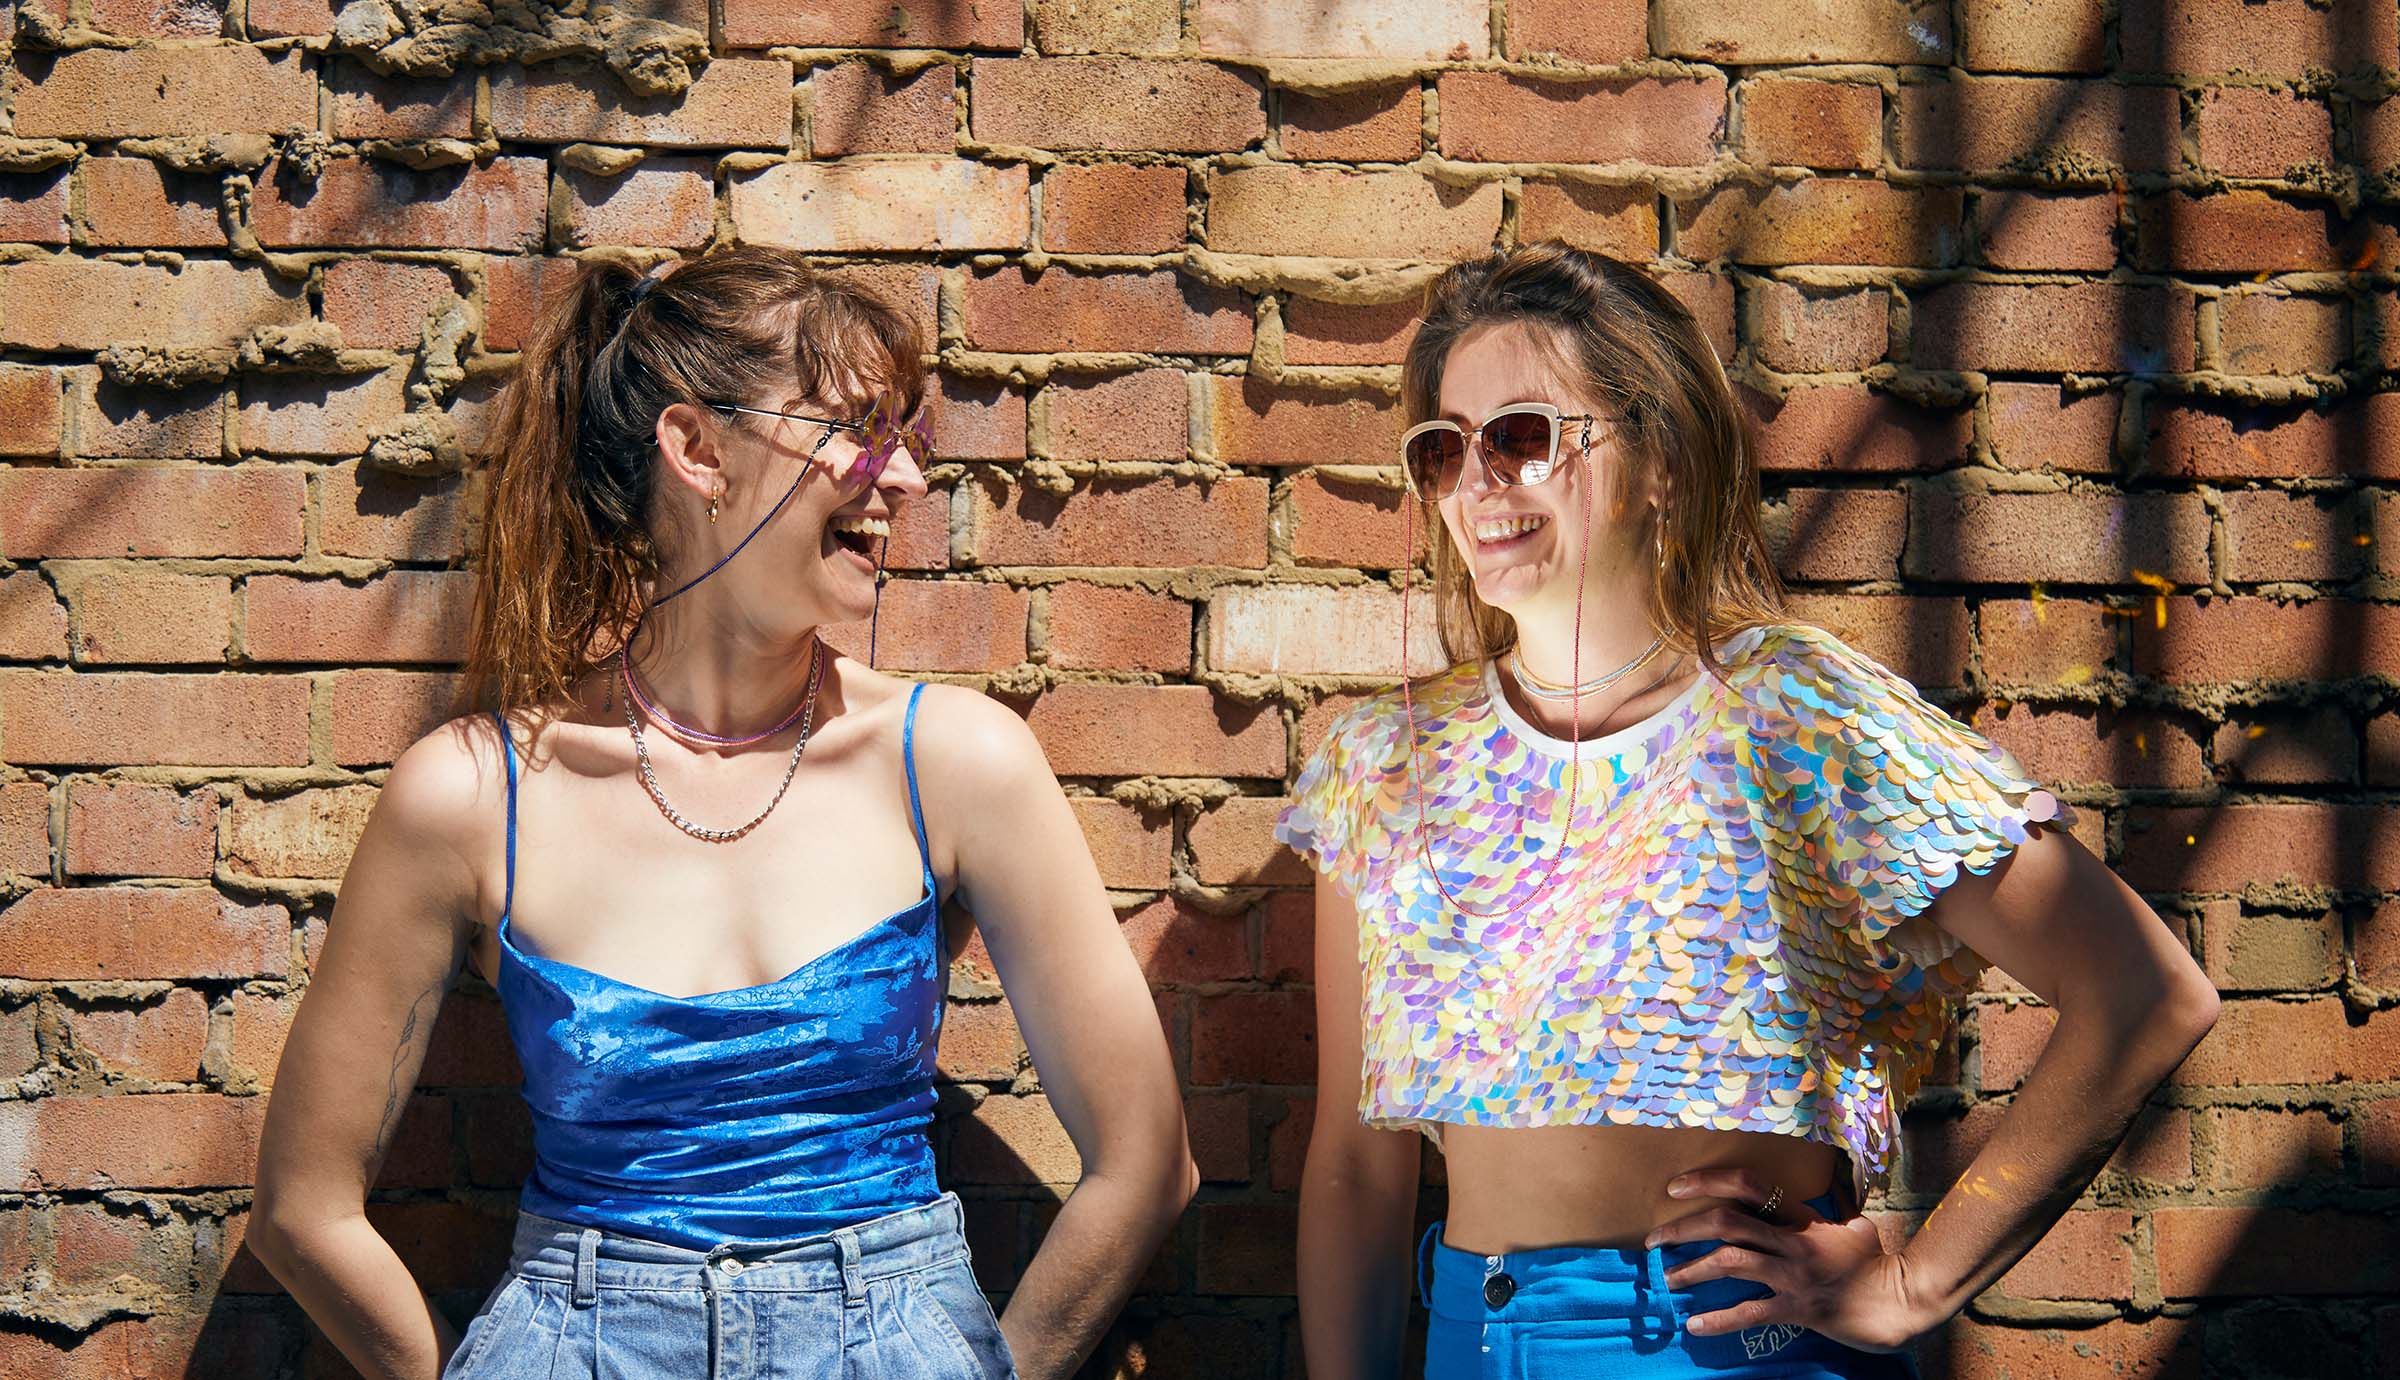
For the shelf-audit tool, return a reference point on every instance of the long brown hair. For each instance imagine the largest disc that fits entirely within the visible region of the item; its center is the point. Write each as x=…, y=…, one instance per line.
x=1626, y=342
x=569, y=540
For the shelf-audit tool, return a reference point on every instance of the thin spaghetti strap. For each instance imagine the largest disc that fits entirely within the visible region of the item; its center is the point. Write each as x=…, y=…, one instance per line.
x=908, y=759
x=508, y=754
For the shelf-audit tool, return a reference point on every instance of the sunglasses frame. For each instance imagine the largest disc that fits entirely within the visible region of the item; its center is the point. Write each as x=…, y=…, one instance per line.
x=1472, y=440
x=879, y=436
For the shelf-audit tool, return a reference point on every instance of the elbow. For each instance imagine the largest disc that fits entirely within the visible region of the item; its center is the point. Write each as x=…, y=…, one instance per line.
x=270, y=1236
x=2191, y=1008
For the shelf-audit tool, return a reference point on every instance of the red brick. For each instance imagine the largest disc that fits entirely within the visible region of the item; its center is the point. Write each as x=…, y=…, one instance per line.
x=857, y=107
x=2247, y=132
x=1112, y=208
x=973, y=419
x=159, y=1041
x=1800, y=332
x=736, y=103
x=1219, y=1128
x=125, y=829
x=1287, y=950
x=1708, y=296
x=306, y=834
x=2036, y=426
x=2269, y=953
x=407, y=615
x=304, y=415
x=1497, y=117
x=2259, y=1148
x=2379, y=1146
x=1302, y=630
x=1116, y=26
x=122, y=93
x=2273, y=535
x=499, y=205
x=872, y=24
x=1125, y=523
x=25, y=829
x=1812, y=124
x=1254, y=1037
x=376, y=513
x=1140, y=416
x=150, y=511
x=2031, y=230
x=173, y=1140
x=2083, y=327
x=1131, y=847
x=133, y=201
x=1580, y=30
x=1248, y=1248
x=2375, y=135
x=288, y=18
x=1618, y=221
x=1013, y=1139
x=2260, y=333
x=2158, y=1149
x=379, y=305
x=1255, y=422
x=1376, y=124
x=2243, y=232
x=1925, y=640
x=368, y=105
x=909, y=204
x=83, y=304
x=2078, y=538
x=2358, y=437
x=1317, y=332
x=2085, y=1255
x=512, y=291
x=1987, y=124
x=377, y=714
x=2126, y=749
x=1338, y=522
x=2283, y=39
x=31, y=409
x=1234, y=845
x=1153, y=311
x=980, y=1043
x=1341, y=213
x=1163, y=730
x=2289, y=748
x=2231, y=846
x=33, y=624
x=33, y=207
x=154, y=19
x=78, y=720
x=101, y=1248
x=147, y=423
x=944, y=625
x=2033, y=36
x=2227, y=640
x=2156, y=1348
x=1838, y=534
x=446, y=1247
x=2222, y=1252
x=1096, y=628
x=668, y=202
x=1425, y=30
x=1178, y=944
x=122, y=932
x=1846, y=427
x=1870, y=31
x=1116, y=103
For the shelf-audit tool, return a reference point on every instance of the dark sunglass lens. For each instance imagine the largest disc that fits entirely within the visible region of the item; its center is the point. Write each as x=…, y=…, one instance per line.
x=1517, y=447
x=1434, y=459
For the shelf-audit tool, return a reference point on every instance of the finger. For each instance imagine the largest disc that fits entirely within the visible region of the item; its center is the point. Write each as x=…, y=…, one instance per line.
x=1733, y=1262
x=1740, y=1317
x=1739, y=1185
x=1721, y=1223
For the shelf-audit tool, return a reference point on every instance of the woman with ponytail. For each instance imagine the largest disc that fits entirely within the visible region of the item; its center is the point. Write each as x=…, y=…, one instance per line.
x=1650, y=910
x=662, y=838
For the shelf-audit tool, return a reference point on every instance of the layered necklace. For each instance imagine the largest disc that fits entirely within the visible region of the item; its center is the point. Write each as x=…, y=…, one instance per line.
x=638, y=704
x=1541, y=689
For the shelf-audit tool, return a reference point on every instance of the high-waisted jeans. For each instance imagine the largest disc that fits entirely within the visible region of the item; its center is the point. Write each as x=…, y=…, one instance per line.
x=889, y=1299
x=1588, y=1311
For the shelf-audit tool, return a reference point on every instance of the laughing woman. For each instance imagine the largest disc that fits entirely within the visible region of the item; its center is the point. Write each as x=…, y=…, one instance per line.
x=666, y=848
x=1652, y=909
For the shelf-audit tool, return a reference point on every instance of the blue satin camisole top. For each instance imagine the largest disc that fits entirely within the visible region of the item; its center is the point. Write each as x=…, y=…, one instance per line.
x=755, y=1114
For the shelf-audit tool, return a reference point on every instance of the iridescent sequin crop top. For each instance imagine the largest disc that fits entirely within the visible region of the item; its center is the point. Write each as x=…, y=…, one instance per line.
x=1737, y=941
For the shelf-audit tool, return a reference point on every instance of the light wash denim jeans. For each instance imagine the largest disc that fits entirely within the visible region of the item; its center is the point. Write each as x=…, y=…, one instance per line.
x=890, y=1299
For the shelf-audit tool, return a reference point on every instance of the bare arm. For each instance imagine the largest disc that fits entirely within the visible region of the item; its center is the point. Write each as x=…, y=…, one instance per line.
x=1358, y=1192
x=1026, y=874
x=397, y=937
x=2131, y=1004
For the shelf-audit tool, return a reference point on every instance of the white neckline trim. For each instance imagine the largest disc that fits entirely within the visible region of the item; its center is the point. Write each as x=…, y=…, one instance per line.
x=1610, y=744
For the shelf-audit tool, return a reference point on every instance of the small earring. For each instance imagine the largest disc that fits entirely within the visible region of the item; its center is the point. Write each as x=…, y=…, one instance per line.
x=712, y=504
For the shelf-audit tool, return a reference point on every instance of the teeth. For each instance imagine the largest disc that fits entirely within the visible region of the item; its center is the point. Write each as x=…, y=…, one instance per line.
x=863, y=526
x=1499, y=529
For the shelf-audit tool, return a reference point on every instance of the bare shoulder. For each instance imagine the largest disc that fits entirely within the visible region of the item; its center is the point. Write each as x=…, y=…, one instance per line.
x=443, y=812
x=977, y=747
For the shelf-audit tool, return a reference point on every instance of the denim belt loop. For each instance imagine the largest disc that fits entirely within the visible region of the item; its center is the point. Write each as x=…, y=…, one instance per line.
x=854, y=1284
x=587, y=1268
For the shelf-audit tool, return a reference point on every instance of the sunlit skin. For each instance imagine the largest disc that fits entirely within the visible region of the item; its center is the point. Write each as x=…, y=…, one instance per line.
x=604, y=883
x=2131, y=1002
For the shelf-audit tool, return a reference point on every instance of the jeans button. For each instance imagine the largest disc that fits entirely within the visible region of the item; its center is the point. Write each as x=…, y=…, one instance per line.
x=1498, y=1290
x=729, y=1265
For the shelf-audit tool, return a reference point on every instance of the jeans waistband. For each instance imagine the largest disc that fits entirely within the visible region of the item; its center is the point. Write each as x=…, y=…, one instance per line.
x=844, y=1259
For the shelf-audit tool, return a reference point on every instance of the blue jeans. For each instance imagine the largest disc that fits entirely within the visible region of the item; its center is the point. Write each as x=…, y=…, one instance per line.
x=1591, y=1311
x=890, y=1299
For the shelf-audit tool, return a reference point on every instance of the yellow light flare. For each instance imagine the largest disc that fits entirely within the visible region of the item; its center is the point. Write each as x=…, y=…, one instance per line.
x=2258, y=730
x=2141, y=743
x=2076, y=674
x=2041, y=601
x=2304, y=544
x=2158, y=610
x=2153, y=580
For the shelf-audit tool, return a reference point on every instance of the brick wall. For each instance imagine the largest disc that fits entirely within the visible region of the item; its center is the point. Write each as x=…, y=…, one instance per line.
x=2067, y=328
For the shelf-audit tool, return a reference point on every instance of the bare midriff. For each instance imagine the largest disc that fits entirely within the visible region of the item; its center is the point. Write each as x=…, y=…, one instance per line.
x=1520, y=1189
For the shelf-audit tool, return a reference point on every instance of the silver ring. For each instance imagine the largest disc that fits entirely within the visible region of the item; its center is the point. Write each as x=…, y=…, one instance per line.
x=1773, y=1203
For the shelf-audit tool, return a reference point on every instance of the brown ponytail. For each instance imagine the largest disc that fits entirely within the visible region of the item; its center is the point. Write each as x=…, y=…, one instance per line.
x=569, y=541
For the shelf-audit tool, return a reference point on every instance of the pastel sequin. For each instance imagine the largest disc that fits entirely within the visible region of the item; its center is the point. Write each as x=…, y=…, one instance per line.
x=1734, y=942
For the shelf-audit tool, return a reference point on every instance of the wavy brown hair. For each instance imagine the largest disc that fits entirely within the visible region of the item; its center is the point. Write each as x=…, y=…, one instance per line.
x=1609, y=328
x=570, y=539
